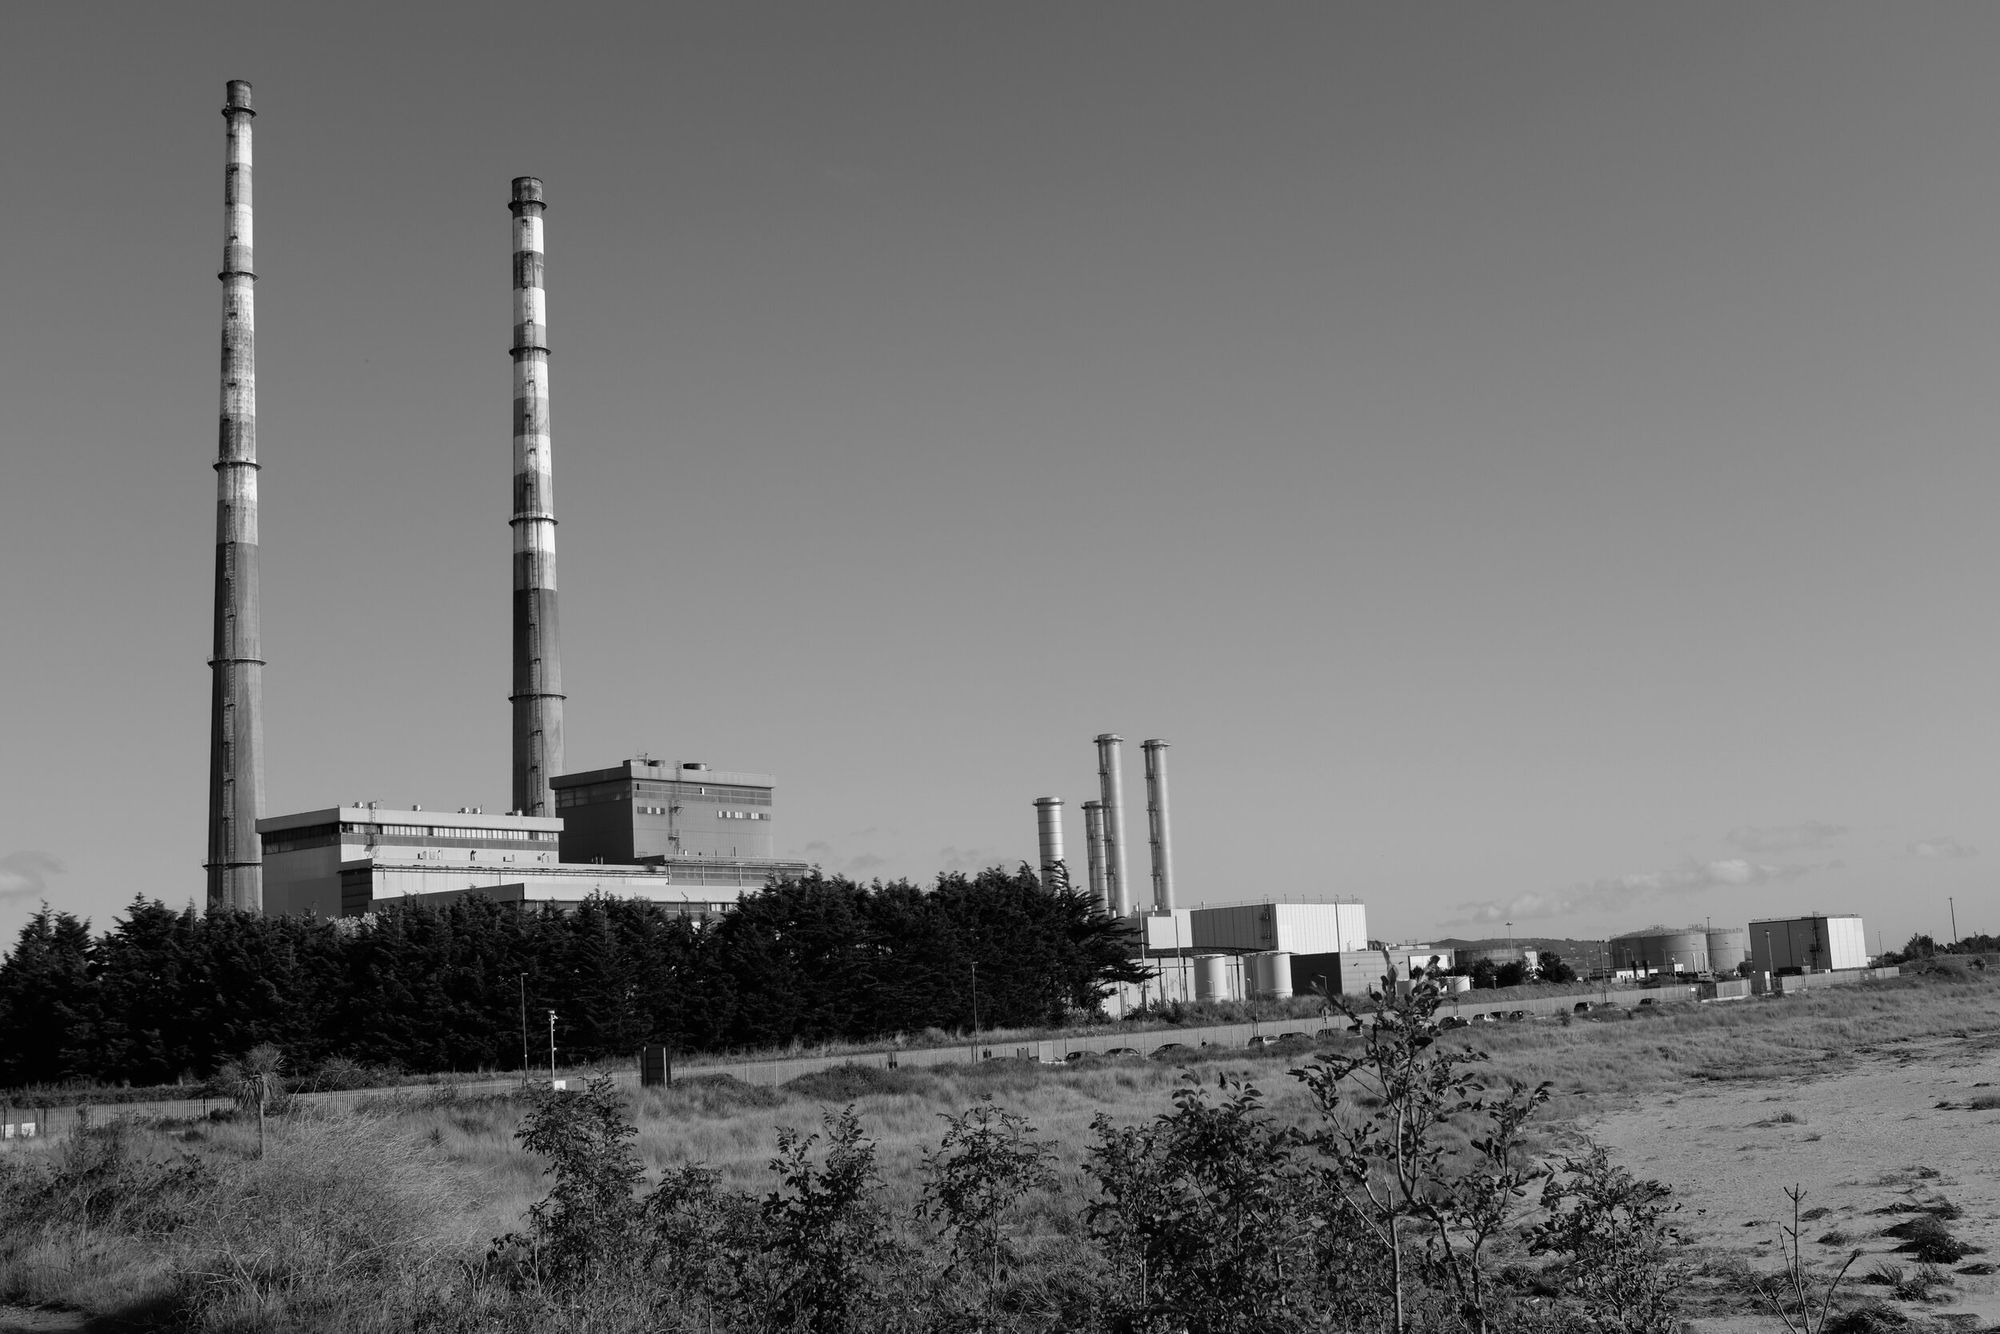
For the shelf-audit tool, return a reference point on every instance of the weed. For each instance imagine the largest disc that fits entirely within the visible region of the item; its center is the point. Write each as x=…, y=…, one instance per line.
x=1927, y=1238
x=1799, y=1298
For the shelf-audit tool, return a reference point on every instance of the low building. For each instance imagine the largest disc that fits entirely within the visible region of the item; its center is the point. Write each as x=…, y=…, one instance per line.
x=1294, y=928
x=683, y=835
x=1815, y=944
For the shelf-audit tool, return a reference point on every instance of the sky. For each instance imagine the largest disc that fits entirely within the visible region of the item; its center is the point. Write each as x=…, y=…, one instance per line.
x=1534, y=462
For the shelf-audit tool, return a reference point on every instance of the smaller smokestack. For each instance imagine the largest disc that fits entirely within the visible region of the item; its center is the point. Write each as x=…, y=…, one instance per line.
x=1111, y=787
x=1048, y=829
x=1093, y=843
x=1156, y=824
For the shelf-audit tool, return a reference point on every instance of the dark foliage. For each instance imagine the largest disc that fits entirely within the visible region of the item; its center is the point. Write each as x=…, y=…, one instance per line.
x=166, y=995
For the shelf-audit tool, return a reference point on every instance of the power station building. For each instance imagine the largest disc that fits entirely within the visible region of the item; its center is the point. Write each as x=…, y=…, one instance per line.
x=683, y=835
x=1808, y=944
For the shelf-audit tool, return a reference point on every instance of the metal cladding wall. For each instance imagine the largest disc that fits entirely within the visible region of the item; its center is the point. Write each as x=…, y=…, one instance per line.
x=236, y=707
x=1661, y=951
x=1808, y=942
x=1297, y=928
x=1726, y=949
x=537, y=696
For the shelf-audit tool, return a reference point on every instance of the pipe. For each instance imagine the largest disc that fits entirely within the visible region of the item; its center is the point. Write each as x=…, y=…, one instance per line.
x=1048, y=830
x=537, y=697
x=1093, y=843
x=236, y=711
x=1160, y=834
x=1111, y=786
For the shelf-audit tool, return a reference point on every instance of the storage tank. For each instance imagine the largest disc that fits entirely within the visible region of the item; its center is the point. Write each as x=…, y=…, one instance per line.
x=1211, y=977
x=1271, y=974
x=1660, y=949
x=1726, y=949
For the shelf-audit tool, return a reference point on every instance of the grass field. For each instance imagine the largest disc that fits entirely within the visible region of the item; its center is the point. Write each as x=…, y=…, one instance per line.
x=380, y=1218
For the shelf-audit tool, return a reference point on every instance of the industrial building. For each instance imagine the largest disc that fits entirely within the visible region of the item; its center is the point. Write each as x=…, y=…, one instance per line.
x=1807, y=944
x=685, y=835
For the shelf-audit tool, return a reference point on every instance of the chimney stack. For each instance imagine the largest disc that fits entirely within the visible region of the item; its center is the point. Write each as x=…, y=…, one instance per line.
x=1156, y=822
x=1111, y=788
x=236, y=714
x=1093, y=846
x=537, y=697
x=1048, y=828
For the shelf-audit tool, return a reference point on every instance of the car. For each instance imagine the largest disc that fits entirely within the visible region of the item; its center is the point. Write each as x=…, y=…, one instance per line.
x=1261, y=1040
x=1581, y=1007
x=1649, y=1000
x=1516, y=1016
x=1122, y=1051
x=1071, y=1058
x=1486, y=1017
x=1293, y=1036
x=1451, y=1021
x=1171, y=1051
x=1329, y=1034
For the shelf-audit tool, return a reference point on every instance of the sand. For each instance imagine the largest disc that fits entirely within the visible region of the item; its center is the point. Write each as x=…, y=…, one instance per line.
x=1881, y=1126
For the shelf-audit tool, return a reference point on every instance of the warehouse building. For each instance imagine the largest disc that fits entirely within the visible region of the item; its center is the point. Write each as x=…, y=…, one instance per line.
x=1813, y=944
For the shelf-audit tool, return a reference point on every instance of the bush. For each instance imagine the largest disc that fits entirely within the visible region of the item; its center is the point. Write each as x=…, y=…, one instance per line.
x=846, y=1083
x=1929, y=1240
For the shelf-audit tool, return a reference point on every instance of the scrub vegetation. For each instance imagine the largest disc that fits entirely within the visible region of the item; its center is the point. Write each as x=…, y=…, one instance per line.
x=1401, y=1173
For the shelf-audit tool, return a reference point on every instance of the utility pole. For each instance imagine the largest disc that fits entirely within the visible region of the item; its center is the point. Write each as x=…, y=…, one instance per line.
x=975, y=1011
x=552, y=1048
x=1954, y=920
x=524, y=1028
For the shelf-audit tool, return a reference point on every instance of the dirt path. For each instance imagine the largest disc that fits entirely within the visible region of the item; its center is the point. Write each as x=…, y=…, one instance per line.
x=1894, y=1127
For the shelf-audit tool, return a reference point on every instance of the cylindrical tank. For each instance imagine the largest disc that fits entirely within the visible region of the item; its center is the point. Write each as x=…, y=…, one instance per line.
x=1660, y=949
x=1726, y=950
x=1271, y=975
x=1211, y=977
x=1048, y=832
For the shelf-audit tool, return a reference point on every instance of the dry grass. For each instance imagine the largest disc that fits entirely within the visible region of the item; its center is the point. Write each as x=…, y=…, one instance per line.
x=360, y=1216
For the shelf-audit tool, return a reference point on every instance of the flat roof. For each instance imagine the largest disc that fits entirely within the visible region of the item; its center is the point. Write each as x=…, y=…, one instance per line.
x=271, y=824
x=660, y=771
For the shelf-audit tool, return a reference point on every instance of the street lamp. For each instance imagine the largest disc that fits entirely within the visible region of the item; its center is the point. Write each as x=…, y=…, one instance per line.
x=552, y=1048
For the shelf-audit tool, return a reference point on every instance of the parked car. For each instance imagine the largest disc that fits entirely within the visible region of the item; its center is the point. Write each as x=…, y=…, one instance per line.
x=1171, y=1051
x=1451, y=1021
x=1073, y=1057
x=1516, y=1016
x=1581, y=1007
x=1262, y=1040
x=1122, y=1051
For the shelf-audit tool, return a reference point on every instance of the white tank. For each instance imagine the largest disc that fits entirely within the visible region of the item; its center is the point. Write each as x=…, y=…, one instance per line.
x=1211, y=977
x=1271, y=975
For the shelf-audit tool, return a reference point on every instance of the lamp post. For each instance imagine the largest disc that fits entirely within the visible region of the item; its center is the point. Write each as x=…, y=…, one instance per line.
x=975, y=1011
x=552, y=1048
x=524, y=1028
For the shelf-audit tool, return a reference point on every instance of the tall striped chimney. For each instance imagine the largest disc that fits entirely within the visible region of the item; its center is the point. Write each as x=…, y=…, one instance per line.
x=1048, y=833
x=1156, y=821
x=537, y=697
x=236, y=710
x=1111, y=788
x=1093, y=845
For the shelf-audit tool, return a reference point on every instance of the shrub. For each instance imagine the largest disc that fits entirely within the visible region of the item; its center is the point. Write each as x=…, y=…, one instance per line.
x=1611, y=1238
x=846, y=1083
x=1929, y=1240
x=589, y=1221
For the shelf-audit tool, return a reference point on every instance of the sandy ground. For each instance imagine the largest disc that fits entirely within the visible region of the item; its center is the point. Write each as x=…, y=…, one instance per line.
x=1883, y=1126
x=28, y=1320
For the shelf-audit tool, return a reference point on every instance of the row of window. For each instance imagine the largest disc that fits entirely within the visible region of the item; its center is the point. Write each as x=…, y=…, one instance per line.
x=741, y=815
x=447, y=831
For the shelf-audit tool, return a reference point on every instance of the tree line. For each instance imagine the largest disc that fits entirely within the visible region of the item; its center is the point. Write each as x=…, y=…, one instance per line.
x=167, y=994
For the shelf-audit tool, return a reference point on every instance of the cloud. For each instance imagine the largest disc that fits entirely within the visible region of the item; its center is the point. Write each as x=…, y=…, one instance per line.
x=1942, y=848
x=1618, y=893
x=863, y=864
x=1783, y=838
x=25, y=874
